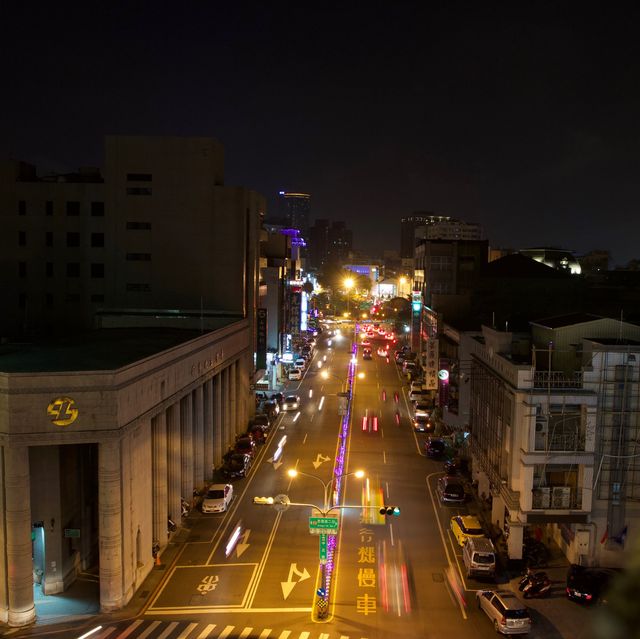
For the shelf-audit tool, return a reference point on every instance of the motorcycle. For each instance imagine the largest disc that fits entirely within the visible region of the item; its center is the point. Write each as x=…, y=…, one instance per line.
x=185, y=507
x=535, y=584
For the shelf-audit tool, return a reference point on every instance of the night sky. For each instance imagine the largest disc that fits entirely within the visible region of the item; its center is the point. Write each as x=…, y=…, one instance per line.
x=524, y=119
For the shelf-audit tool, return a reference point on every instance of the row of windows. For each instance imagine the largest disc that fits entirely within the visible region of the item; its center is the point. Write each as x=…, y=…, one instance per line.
x=72, y=268
x=77, y=297
x=73, y=237
x=72, y=208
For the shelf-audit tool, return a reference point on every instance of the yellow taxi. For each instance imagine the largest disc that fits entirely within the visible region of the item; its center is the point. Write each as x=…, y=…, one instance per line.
x=464, y=527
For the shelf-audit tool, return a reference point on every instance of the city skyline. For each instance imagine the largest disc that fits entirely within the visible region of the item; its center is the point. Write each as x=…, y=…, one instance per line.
x=524, y=124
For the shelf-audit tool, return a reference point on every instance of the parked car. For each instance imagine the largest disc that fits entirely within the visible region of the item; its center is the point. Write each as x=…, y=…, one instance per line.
x=261, y=419
x=235, y=465
x=300, y=363
x=588, y=585
x=366, y=353
x=464, y=527
x=271, y=408
x=435, y=448
x=217, y=498
x=295, y=374
x=451, y=490
x=245, y=445
x=291, y=402
x=418, y=395
x=257, y=433
x=278, y=397
x=504, y=609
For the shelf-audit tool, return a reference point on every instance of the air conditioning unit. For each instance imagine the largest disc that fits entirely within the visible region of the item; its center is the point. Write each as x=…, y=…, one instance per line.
x=561, y=497
x=541, y=497
x=542, y=425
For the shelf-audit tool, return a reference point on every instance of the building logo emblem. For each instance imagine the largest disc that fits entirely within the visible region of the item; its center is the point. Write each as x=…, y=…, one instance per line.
x=62, y=411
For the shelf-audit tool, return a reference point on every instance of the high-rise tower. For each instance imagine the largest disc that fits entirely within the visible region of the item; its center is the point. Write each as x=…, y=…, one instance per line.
x=295, y=210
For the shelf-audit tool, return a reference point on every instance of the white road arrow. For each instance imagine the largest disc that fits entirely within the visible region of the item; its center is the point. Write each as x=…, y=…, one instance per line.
x=320, y=459
x=241, y=547
x=276, y=464
x=289, y=585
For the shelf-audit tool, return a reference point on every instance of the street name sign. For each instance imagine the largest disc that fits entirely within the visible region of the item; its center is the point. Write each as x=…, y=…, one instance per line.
x=323, y=525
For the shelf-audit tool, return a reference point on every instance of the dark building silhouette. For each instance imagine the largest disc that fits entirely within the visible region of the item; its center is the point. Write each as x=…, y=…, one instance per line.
x=295, y=209
x=330, y=242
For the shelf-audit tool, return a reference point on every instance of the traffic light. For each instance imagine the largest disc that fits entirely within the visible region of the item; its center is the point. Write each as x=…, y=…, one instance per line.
x=390, y=510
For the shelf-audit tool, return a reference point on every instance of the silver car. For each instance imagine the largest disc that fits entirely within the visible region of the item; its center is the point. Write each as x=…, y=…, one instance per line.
x=509, y=615
x=291, y=402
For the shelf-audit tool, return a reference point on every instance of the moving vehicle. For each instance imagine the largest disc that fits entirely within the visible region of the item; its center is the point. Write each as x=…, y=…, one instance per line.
x=423, y=424
x=291, y=402
x=217, y=498
x=235, y=465
x=509, y=616
x=451, y=490
x=366, y=353
x=588, y=585
x=422, y=408
x=295, y=374
x=465, y=527
x=479, y=557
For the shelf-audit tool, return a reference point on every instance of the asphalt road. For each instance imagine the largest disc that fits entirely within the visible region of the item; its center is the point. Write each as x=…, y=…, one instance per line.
x=393, y=576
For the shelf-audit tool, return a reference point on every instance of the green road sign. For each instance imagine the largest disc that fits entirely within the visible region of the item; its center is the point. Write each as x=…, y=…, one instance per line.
x=323, y=525
x=323, y=548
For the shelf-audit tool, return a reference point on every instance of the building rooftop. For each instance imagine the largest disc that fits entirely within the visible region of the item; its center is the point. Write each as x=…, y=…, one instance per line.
x=105, y=349
x=517, y=265
x=614, y=341
x=560, y=321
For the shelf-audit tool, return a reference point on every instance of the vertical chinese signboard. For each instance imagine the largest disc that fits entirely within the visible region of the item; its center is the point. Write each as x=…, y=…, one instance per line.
x=261, y=339
x=294, y=313
x=431, y=364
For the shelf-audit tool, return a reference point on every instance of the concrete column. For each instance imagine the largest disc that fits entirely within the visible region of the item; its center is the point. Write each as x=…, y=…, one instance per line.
x=159, y=470
x=218, y=450
x=228, y=435
x=236, y=426
x=18, y=535
x=207, y=410
x=110, y=515
x=514, y=543
x=174, y=485
x=198, y=438
x=186, y=434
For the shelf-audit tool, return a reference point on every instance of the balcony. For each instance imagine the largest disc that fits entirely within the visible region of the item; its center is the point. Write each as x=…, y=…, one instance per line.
x=556, y=498
x=557, y=379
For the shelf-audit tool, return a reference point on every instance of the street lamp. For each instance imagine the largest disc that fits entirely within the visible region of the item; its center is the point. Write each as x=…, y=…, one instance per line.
x=326, y=485
x=348, y=284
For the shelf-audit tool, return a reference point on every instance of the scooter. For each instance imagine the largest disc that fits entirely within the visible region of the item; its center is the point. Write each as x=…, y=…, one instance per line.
x=535, y=585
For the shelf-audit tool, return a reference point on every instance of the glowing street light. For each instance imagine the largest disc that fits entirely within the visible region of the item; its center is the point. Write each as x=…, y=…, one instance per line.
x=348, y=284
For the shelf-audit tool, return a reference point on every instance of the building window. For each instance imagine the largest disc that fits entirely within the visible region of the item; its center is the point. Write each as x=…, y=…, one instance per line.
x=139, y=177
x=73, y=239
x=22, y=300
x=138, y=226
x=97, y=297
x=22, y=207
x=49, y=269
x=73, y=297
x=97, y=271
x=48, y=207
x=22, y=269
x=97, y=209
x=97, y=240
x=138, y=287
x=48, y=300
x=139, y=257
x=73, y=269
x=138, y=190
x=48, y=238
x=22, y=238
x=73, y=208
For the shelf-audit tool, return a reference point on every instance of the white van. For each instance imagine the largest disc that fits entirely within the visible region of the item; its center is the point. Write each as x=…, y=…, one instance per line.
x=479, y=557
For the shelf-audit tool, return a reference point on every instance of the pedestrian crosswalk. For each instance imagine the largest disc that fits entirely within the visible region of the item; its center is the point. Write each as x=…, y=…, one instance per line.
x=154, y=629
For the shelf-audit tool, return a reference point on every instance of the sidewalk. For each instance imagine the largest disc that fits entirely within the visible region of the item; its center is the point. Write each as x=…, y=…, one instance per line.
x=77, y=610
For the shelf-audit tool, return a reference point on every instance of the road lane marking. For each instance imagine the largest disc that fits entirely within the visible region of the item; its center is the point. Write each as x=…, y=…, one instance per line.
x=245, y=633
x=206, y=631
x=284, y=634
x=391, y=534
x=130, y=629
x=384, y=457
x=226, y=632
x=149, y=630
x=185, y=633
x=304, y=439
x=265, y=633
x=168, y=631
x=444, y=541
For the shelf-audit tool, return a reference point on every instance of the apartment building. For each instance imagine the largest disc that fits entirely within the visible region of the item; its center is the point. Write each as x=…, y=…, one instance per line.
x=554, y=417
